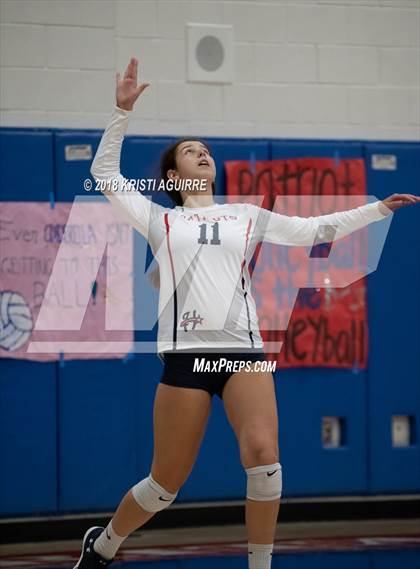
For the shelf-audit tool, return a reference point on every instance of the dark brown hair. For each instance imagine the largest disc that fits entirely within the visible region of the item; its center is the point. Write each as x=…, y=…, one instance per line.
x=168, y=162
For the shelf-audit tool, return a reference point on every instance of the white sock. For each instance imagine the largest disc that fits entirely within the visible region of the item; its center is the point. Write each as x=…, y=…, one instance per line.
x=259, y=555
x=108, y=542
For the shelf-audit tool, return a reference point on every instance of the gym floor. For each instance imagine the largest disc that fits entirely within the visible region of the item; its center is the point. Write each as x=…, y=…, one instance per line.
x=376, y=544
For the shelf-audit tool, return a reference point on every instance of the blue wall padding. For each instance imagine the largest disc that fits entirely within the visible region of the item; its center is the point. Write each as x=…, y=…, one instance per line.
x=337, y=149
x=304, y=397
x=394, y=316
x=86, y=427
x=26, y=165
x=105, y=418
x=28, y=425
x=28, y=438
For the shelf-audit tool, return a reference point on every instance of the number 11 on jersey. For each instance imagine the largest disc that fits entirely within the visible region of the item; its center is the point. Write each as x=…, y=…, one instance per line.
x=203, y=234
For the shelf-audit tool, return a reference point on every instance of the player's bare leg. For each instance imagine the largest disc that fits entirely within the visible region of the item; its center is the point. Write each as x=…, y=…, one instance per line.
x=180, y=417
x=250, y=404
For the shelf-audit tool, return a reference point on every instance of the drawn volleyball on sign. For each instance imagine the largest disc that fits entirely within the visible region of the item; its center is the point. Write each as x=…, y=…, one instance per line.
x=16, y=322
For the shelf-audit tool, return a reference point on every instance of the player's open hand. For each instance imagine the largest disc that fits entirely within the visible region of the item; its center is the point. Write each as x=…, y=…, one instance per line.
x=127, y=90
x=400, y=200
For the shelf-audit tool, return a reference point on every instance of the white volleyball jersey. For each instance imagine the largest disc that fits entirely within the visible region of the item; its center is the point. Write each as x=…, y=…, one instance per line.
x=205, y=300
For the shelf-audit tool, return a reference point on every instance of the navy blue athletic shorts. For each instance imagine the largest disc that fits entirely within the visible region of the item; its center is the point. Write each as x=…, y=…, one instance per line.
x=212, y=368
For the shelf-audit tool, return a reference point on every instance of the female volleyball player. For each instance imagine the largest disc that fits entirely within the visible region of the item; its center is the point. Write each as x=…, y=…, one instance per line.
x=203, y=250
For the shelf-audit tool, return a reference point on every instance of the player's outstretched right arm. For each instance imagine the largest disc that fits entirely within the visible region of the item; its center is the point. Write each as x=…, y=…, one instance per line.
x=130, y=203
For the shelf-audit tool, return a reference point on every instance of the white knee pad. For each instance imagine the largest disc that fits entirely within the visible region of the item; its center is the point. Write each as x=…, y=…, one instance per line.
x=264, y=482
x=151, y=496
